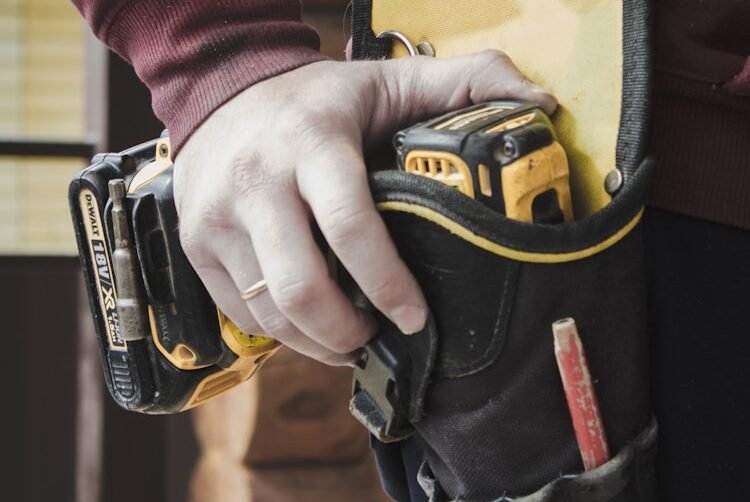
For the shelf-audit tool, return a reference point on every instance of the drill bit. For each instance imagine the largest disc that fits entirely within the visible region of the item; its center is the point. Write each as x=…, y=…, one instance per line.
x=130, y=298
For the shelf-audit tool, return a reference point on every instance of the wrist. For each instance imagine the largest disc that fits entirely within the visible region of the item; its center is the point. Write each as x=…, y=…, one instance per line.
x=186, y=104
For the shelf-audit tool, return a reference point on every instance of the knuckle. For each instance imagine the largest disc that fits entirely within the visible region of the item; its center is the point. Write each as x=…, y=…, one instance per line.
x=335, y=359
x=386, y=292
x=249, y=173
x=494, y=75
x=205, y=267
x=345, y=345
x=276, y=325
x=491, y=57
x=251, y=329
x=296, y=295
x=393, y=84
x=197, y=227
x=192, y=245
x=312, y=132
x=249, y=325
x=343, y=224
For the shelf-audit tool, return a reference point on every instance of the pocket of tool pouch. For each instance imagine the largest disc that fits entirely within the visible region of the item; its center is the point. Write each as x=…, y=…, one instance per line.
x=495, y=286
x=469, y=259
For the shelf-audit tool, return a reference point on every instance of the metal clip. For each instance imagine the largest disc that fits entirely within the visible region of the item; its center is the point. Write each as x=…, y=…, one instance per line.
x=380, y=397
x=421, y=49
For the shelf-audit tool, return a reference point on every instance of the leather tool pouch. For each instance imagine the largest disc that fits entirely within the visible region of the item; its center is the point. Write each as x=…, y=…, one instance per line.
x=480, y=385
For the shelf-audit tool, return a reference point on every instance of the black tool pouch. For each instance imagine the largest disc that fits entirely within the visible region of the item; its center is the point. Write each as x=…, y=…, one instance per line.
x=493, y=416
x=480, y=386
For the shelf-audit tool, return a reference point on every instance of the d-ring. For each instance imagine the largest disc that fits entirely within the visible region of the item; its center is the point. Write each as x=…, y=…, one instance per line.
x=421, y=49
x=254, y=290
x=410, y=48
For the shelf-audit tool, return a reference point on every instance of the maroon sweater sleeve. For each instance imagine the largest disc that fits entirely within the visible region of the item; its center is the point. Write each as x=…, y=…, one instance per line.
x=701, y=109
x=196, y=54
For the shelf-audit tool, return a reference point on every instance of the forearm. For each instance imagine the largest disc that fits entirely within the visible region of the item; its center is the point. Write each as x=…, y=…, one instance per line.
x=194, y=54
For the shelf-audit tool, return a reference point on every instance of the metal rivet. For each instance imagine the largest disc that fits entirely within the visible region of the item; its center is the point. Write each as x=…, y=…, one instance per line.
x=509, y=149
x=613, y=181
x=163, y=150
x=398, y=142
x=426, y=49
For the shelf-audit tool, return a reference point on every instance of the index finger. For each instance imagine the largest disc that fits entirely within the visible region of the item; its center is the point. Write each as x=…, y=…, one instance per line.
x=333, y=181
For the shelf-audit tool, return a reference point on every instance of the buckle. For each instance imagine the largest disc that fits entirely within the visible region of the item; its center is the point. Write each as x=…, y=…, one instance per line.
x=381, y=389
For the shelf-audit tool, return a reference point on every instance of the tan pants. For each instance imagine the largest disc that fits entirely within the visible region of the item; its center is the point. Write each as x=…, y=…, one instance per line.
x=286, y=435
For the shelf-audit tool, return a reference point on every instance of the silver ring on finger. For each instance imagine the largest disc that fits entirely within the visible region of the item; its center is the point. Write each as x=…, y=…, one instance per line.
x=254, y=290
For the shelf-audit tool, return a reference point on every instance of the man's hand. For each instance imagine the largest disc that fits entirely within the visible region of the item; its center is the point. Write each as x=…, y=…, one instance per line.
x=289, y=150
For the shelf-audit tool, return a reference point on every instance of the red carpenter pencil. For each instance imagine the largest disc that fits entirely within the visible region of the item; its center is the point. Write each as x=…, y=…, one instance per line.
x=580, y=394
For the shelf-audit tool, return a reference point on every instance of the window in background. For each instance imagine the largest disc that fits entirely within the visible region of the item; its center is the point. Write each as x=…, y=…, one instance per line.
x=42, y=97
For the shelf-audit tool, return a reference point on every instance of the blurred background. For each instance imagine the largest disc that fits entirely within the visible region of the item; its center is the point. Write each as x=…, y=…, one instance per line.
x=284, y=436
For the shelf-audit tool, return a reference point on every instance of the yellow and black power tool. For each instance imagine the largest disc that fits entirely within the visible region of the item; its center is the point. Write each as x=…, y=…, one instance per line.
x=164, y=345
x=504, y=154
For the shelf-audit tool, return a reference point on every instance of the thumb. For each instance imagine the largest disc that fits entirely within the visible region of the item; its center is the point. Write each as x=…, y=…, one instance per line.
x=415, y=88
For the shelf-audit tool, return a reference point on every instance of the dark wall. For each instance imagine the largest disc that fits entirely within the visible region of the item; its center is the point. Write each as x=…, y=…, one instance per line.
x=38, y=306
x=129, y=115
x=143, y=458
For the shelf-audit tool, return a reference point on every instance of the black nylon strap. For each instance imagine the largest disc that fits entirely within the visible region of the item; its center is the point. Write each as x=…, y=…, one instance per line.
x=365, y=45
x=636, y=87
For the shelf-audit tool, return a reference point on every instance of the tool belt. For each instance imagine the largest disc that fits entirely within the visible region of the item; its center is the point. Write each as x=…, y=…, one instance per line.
x=479, y=386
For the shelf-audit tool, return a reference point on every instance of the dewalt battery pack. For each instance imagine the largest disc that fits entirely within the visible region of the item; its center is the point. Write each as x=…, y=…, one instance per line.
x=164, y=345
x=504, y=154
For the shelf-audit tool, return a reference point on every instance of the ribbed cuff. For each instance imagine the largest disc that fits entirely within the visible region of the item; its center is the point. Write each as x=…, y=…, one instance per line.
x=701, y=139
x=195, y=55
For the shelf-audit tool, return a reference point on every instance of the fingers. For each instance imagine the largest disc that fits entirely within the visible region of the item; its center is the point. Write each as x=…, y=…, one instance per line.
x=225, y=294
x=257, y=200
x=334, y=184
x=258, y=315
x=277, y=325
x=493, y=75
x=307, y=300
x=412, y=89
x=204, y=256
